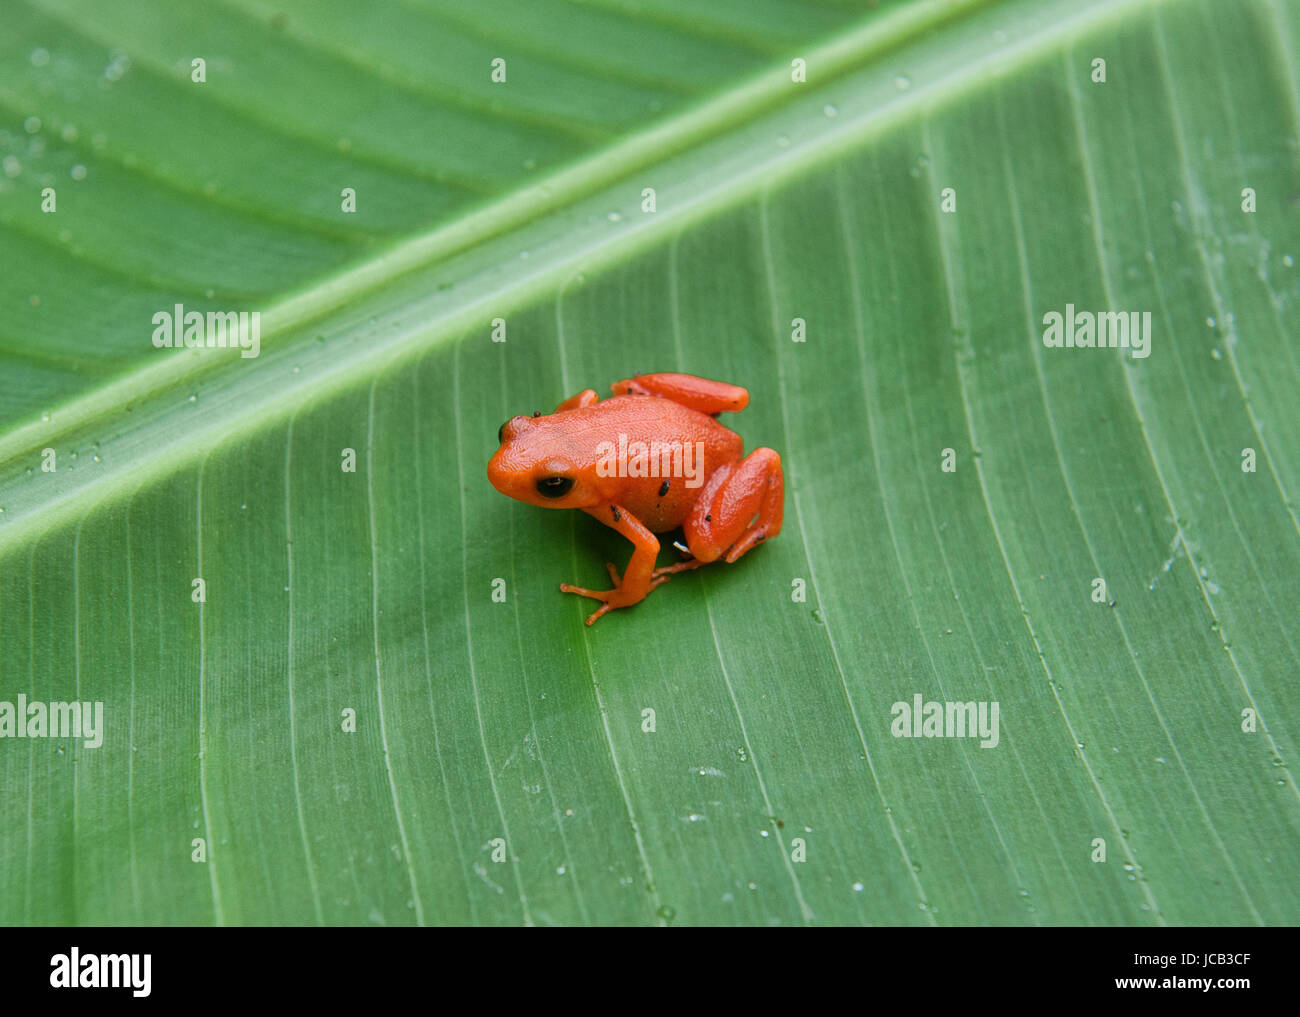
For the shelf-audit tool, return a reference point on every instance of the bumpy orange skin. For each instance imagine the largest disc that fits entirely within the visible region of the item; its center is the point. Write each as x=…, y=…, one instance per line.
x=725, y=504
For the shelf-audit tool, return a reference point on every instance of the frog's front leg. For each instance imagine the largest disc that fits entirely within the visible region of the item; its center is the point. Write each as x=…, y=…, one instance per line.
x=639, y=578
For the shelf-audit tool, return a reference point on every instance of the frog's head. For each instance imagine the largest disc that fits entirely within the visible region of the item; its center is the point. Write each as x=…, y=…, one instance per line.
x=544, y=462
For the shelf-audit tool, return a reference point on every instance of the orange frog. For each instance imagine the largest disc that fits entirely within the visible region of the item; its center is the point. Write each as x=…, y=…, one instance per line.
x=650, y=458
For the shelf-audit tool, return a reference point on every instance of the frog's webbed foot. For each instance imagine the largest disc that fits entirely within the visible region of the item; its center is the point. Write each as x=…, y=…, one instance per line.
x=639, y=578
x=611, y=599
x=618, y=596
x=602, y=595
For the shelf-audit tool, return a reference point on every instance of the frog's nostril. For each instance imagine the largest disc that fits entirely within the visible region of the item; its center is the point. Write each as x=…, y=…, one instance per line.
x=513, y=428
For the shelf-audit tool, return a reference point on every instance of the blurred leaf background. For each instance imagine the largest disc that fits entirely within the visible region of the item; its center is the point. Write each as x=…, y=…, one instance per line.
x=371, y=591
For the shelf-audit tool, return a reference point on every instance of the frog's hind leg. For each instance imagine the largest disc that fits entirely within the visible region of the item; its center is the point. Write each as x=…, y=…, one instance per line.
x=741, y=505
x=587, y=397
x=711, y=397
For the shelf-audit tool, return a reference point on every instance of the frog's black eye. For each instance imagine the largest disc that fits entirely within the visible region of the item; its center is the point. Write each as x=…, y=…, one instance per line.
x=554, y=487
x=501, y=433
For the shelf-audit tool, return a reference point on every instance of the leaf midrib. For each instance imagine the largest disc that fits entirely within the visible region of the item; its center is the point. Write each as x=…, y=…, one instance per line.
x=514, y=210
x=483, y=235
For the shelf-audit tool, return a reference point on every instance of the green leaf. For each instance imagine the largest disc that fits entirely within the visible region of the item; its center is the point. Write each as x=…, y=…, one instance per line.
x=1157, y=724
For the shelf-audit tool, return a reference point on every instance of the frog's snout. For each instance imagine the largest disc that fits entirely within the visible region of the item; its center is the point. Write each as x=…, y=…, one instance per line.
x=503, y=468
x=498, y=475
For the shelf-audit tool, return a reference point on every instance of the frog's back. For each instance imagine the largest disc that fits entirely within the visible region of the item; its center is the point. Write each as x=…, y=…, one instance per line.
x=666, y=452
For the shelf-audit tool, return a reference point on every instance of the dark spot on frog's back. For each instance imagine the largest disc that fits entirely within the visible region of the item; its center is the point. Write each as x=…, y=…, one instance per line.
x=663, y=488
x=614, y=510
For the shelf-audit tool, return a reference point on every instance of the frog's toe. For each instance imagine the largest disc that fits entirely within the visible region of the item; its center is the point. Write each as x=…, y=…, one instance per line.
x=582, y=591
x=591, y=618
x=613, y=573
x=662, y=574
x=598, y=594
